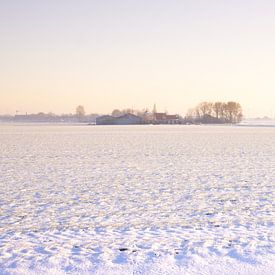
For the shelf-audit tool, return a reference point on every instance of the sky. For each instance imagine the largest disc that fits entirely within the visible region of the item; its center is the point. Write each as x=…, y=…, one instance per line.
x=57, y=54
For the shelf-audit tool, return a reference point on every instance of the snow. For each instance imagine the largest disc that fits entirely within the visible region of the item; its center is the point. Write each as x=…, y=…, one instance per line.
x=258, y=123
x=136, y=199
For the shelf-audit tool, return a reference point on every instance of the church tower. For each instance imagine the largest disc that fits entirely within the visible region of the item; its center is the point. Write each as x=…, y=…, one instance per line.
x=154, y=112
x=154, y=109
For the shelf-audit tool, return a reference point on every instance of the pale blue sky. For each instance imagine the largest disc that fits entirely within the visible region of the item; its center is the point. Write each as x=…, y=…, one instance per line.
x=57, y=54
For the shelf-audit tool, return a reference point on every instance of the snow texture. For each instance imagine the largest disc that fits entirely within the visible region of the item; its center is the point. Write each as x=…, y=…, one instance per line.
x=136, y=199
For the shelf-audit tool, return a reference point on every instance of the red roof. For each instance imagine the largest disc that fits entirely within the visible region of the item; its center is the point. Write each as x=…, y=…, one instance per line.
x=172, y=117
x=160, y=116
x=164, y=116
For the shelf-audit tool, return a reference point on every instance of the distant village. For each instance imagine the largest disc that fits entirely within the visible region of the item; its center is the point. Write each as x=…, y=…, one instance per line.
x=203, y=113
x=132, y=117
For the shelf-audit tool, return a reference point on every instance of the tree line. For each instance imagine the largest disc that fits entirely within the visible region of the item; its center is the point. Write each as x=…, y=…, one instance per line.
x=216, y=112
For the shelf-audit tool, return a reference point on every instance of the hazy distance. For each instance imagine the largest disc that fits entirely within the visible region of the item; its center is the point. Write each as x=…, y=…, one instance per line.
x=55, y=55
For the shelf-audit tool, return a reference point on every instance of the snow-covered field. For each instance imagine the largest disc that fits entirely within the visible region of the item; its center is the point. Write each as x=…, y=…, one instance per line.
x=258, y=123
x=137, y=199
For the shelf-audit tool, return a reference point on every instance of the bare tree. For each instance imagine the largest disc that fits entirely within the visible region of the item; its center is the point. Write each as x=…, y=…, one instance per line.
x=217, y=108
x=80, y=112
x=234, y=111
x=218, y=112
x=205, y=108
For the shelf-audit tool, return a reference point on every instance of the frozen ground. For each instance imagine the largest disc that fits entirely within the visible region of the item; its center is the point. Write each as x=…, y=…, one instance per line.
x=258, y=123
x=137, y=200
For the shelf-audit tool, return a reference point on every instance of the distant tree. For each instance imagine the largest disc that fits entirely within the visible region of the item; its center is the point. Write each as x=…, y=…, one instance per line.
x=191, y=114
x=218, y=112
x=116, y=113
x=128, y=111
x=205, y=108
x=234, y=112
x=217, y=108
x=80, y=112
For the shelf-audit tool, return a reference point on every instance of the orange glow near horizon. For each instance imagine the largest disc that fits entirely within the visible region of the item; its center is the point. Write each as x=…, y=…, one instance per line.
x=55, y=56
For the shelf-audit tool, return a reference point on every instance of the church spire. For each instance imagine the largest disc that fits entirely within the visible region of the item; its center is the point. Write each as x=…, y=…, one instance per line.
x=154, y=109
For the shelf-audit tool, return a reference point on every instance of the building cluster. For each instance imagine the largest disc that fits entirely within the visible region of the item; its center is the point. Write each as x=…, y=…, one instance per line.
x=133, y=119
